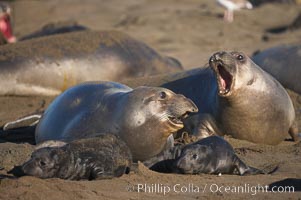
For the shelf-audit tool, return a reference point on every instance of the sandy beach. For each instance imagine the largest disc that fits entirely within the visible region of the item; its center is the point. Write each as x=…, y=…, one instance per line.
x=190, y=31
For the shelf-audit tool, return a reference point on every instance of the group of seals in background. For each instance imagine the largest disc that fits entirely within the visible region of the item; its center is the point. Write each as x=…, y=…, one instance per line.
x=283, y=63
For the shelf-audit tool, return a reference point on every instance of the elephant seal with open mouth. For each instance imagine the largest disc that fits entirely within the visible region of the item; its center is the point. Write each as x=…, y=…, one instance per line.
x=143, y=117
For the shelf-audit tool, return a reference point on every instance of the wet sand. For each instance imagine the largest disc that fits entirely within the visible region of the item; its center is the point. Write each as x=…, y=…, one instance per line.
x=190, y=31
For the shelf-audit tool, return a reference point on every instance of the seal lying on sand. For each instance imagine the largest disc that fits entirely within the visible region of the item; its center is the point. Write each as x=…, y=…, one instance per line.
x=49, y=65
x=282, y=62
x=101, y=157
x=143, y=117
x=245, y=101
x=211, y=155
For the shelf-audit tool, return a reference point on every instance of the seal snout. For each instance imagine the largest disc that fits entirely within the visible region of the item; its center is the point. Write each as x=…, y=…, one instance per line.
x=184, y=164
x=180, y=108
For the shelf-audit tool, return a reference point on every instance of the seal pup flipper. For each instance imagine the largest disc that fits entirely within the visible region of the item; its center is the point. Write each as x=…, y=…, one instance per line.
x=165, y=161
x=243, y=169
x=29, y=120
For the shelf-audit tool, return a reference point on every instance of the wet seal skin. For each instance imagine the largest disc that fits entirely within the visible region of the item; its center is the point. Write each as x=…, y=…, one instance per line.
x=144, y=117
x=101, y=157
x=211, y=155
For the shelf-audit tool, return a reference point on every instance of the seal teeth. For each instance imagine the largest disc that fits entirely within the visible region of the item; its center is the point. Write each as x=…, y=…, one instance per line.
x=224, y=79
x=176, y=120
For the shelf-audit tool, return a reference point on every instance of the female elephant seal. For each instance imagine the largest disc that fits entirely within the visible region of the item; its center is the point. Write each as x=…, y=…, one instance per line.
x=244, y=100
x=101, y=157
x=49, y=65
x=143, y=117
x=282, y=62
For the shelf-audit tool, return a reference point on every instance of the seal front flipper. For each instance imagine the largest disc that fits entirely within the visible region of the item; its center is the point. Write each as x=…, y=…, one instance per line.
x=22, y=129
x=29, y=120
x=25, y=134
x=243, y=169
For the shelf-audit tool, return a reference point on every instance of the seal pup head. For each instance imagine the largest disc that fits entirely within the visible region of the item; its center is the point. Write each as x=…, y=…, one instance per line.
x=195, y=159
x=152, y=115
x=233, y=71
x=44, y=163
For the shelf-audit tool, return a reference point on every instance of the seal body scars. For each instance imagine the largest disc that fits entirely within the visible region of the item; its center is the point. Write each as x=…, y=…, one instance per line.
x=245, y=101
x=212, y=155
x=49, y=65
x=143, y=117
x=102, y=157
x=283, y=63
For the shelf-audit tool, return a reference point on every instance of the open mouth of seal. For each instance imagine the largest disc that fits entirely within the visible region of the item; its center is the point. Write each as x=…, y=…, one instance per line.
x=178, y=121
x=224, y=80
x=6, y=29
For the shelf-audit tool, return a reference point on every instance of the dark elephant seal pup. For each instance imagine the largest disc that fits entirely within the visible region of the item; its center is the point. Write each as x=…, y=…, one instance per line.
x=212, y=155
x=143, y=117
x=101, y=157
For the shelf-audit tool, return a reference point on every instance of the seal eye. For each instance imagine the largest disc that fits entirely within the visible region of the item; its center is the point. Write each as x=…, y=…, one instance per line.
x=240, y=57
x=162, y=95
x=194, y=156
x=42, y=163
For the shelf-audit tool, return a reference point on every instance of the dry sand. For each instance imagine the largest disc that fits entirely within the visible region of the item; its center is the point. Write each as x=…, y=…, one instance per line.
x=191, y=31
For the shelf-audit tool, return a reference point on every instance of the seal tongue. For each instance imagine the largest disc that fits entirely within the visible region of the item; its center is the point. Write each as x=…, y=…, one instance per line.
x=225, y=79
x=223, y=83
x=6, y=29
